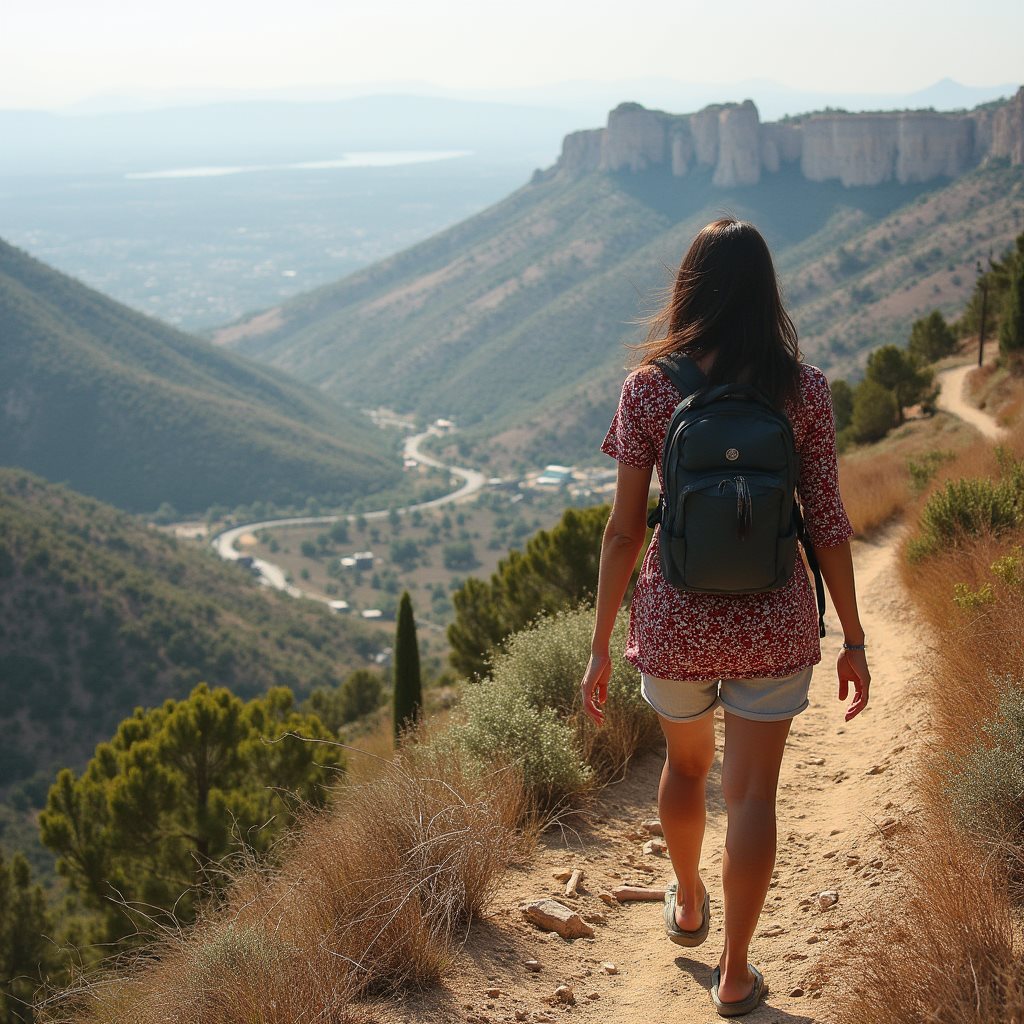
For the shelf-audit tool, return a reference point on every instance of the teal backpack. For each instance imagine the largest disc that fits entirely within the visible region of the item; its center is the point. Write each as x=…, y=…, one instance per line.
x=728, y=514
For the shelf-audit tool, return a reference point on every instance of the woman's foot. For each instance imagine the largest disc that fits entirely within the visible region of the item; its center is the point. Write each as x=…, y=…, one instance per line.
x=736, y=985
x=689, y=918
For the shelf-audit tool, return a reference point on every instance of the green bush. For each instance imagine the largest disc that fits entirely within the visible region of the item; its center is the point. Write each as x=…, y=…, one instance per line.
x=499, y=725
x=545, y=663
x=986, y=788
x=968, y=508
x=922, y=471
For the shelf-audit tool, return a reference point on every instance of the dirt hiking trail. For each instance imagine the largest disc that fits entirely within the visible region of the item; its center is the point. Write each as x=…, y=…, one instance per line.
x=844, y=796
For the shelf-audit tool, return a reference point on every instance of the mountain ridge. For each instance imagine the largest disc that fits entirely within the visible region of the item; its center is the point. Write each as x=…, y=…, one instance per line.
x=866, y=148
x=135, y=412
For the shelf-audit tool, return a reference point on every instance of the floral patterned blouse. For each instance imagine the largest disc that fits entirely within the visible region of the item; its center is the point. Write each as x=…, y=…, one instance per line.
x=676, y=635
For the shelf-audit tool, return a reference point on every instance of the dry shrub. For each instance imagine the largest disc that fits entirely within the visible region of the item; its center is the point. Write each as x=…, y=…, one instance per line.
x=875, y=489
x=999, y=388
x=974, y=643
x=950, y=956
x=546, y=662
x=375, y=894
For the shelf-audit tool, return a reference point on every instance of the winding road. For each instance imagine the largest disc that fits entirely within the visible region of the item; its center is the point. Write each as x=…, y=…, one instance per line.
x=951, y=399
x=274, y=576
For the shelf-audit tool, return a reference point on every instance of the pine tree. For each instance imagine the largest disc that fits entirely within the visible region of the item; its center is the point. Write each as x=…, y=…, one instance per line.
x=408, y=697
x=931, y=338
x=1011, y=321
x=174, y=792
x=26, y=953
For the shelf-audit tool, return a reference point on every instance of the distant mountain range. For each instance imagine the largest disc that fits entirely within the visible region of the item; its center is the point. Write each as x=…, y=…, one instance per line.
x=129, y=410
x=102, y=614
x=513, y=321
x=584, y=98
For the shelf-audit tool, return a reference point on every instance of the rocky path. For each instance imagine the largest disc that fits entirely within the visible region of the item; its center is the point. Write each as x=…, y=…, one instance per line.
x=951, y=400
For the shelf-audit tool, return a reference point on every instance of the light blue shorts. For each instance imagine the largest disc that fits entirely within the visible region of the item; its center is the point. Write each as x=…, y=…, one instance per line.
x=765, y=700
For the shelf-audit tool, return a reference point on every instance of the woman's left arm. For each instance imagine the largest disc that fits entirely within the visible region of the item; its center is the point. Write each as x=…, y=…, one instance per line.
x=622, y=543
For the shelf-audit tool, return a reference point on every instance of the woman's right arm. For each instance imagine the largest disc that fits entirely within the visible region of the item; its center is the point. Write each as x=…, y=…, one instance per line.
x=829, y=529
x=837, y=570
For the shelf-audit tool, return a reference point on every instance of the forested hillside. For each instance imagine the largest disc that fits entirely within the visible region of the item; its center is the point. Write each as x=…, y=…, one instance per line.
x=513, y=322
x=100, y=613
x=129, y=410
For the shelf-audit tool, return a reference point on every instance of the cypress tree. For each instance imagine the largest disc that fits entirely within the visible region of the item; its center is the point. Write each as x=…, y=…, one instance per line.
x=408, y=687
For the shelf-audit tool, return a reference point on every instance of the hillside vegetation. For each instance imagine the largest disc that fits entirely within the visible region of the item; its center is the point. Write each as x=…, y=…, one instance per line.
x=513, y=321
x=99, y=613
x=131, y=411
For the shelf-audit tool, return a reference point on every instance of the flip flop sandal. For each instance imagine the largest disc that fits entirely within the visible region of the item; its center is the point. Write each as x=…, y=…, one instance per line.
x=677, y=934
x=742, y=1006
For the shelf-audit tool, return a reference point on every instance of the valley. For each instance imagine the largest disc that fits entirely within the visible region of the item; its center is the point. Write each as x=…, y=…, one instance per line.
x=520, y=317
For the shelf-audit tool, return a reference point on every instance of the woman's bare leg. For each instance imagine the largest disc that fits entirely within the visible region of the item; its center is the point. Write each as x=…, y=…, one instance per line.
x=750, y=778
x=690, y=751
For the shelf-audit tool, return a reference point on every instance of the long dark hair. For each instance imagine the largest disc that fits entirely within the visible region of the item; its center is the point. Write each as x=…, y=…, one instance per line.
x=726, y=300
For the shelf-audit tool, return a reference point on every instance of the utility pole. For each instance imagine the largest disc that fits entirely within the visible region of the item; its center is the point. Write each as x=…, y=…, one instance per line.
x=984, y=301
x=981, y=327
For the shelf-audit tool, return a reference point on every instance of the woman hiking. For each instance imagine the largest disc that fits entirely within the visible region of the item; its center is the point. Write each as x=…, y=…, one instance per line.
x=750, y=652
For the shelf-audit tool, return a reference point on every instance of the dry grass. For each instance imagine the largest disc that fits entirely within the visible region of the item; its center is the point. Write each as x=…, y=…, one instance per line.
x=999, y=389
x=375, y=894
x=950, y=956
x=953, y=955
x=876, y=489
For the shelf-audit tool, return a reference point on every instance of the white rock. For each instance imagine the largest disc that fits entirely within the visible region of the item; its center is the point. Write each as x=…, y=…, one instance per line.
x=653, y=826
x=827, y=899
x=564, y=994
x=609, y=968
x=553, y=916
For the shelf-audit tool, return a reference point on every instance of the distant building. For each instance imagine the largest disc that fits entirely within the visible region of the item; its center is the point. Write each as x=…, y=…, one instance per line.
x=372, y=613
x=554, y=476
x=341, y=607
x=364, y=559
x=348, y=562
x=444, y=425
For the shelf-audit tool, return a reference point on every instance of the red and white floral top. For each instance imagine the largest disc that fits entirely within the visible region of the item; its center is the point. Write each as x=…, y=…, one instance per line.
x=677, y=635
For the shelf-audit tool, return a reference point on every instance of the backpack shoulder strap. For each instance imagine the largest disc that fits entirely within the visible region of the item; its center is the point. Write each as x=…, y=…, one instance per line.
x=684, y=373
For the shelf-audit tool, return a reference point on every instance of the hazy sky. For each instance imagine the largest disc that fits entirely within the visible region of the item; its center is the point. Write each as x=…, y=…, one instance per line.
x=55, y=52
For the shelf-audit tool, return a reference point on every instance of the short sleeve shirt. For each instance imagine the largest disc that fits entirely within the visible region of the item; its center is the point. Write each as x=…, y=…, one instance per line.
x=675, y=635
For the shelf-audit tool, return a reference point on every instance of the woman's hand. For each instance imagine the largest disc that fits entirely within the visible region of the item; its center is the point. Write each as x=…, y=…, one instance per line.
x=595, y=686
x=852, y=667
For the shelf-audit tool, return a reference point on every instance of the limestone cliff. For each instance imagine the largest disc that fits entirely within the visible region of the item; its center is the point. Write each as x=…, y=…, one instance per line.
x=854, y=149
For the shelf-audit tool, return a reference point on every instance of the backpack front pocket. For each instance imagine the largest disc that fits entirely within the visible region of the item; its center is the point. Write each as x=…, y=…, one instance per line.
x=724, y=536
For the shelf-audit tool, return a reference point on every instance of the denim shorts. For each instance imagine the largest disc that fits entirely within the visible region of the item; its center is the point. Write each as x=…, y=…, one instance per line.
x=765, y=700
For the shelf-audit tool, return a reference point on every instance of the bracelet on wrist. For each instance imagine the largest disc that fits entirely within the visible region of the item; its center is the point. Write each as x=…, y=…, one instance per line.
x=854, y=647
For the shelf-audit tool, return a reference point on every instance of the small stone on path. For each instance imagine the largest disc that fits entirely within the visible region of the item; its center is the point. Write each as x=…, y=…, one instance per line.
x=564, y=994
x=556, y=918
x=562, y=876
x=532, y=965
x=655, y=847
x=609, y=968
x=626, y=893
x=607, y=897
x=795, y=993
x=828, y=899
x=653, y=826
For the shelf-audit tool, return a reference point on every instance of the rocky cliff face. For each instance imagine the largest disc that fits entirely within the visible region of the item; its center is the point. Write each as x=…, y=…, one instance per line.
x=854, y=149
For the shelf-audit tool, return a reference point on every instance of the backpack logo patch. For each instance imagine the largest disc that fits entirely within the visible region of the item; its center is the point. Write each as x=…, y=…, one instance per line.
x=732, y=454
